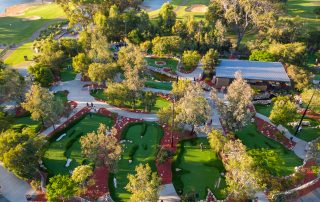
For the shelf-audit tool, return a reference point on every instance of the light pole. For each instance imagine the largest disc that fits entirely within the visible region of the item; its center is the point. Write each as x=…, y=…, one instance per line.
x=172, y=126
x=125, y=28
x=304, y=113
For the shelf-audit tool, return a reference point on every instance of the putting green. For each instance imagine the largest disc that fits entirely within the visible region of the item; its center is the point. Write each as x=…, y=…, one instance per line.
x=194, y=170
x=55, y=157
x=145, y=152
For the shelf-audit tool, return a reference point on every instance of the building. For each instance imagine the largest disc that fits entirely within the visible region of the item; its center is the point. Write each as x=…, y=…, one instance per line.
x=260, y=75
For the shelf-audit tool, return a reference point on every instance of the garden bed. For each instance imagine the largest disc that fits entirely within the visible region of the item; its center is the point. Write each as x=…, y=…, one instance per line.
x=194, y=170
x=170, y=63
x=69, y=146
x=141, y=150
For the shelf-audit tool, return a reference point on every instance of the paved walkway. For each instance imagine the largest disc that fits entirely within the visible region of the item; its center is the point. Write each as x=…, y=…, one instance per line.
x=168, y=193
x=12, y=188
x=301, y=145
x=195, y=74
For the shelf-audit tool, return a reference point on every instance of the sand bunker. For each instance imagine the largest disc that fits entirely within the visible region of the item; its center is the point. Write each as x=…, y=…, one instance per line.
x=31, y=18
x=197, y=8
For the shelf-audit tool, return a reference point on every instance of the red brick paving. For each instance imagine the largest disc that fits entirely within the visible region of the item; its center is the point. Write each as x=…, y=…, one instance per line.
x=100, y=187
x=271, y=132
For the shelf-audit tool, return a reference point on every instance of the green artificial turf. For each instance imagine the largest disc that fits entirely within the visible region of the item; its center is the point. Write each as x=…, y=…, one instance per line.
x=17, y=56
x=170, y=62
x=146, y=153
x=264, y=109
x=18, y=29
x=22, y=122
x=255, y=140
x=54, y=159
x=308, y=133
x=159, y=85
x=67, y=75
x=160, y=102
x=199, y=169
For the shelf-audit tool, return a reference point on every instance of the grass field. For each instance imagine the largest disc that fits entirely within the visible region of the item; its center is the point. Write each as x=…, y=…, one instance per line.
x=199, y=169
x=255, y=140
x=159, y=85
x=170, y=62
x=18, y=29
x=145, y=153
x=160, y=102
x=17, y=56
x=54, y=158
x=67, y=75
x=304, y=9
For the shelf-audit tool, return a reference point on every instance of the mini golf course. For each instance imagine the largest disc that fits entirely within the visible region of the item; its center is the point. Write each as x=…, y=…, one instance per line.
x=160, y=102
x=55, y=157
x=194, y=170
x=255, y=140
x=145, y=138
x=163, y=63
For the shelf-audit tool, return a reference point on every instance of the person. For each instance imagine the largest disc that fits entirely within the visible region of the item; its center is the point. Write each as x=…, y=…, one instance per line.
x=291, y=138
x=201, y=146
x=91, y=104
x=87, y=104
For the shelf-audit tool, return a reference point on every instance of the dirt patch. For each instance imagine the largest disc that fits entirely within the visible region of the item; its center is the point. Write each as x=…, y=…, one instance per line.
x=197, y=8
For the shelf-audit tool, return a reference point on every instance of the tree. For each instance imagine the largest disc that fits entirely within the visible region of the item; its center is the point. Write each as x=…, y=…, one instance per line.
x=21, y=152
x=80, y=63
x=117, y=93
x=300, y=77
x=42, y=105
x=292, y=53
x=70, y=47
x=102, y=149
x=60, y=187
x=315, y=103
x=130, y=57
x=179, y=88
x=193, y=107
x=99, y=72
x=165, y=115
x=166, y=46
x=167, y=18
x=99, y=48
x=51, y=54
x=283, y=111
x=242, y=178
x=42, y=74
x=234, y=110
x=148, y=101
x=5, y=120
x=210, y=60
x=144, y=185
x=190, y=59
x=2, y=65
x=81, y=175
x=262, y=56
x=12, y=86
x=243, y=15
x=217, y=140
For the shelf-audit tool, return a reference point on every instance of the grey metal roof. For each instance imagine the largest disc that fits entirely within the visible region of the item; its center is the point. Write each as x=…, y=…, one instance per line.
x=252, y=70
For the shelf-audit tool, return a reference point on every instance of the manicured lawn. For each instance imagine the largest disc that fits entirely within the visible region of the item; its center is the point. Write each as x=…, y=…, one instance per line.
x=146, y=148
x=190, y=2
x=199, y=169
x=255, y=140
x=159, y=85
x=160, y=102
x=17, y=29
x=54, y=158
x=170, y=62
x=17, y=56
x=264, y=109
x=68, y=75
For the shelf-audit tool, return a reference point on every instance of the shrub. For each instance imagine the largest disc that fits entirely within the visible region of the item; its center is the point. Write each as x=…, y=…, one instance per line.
x=262, y=56
x=71, y=133
x=71, y=142
x=163, y=154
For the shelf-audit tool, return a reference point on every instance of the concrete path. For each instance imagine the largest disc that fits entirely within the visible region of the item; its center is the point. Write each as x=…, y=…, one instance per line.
x=195, y=74
x=168, y=193
x=154, y=90
x=261, y=196
x=301, y=145
x=12, y=188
